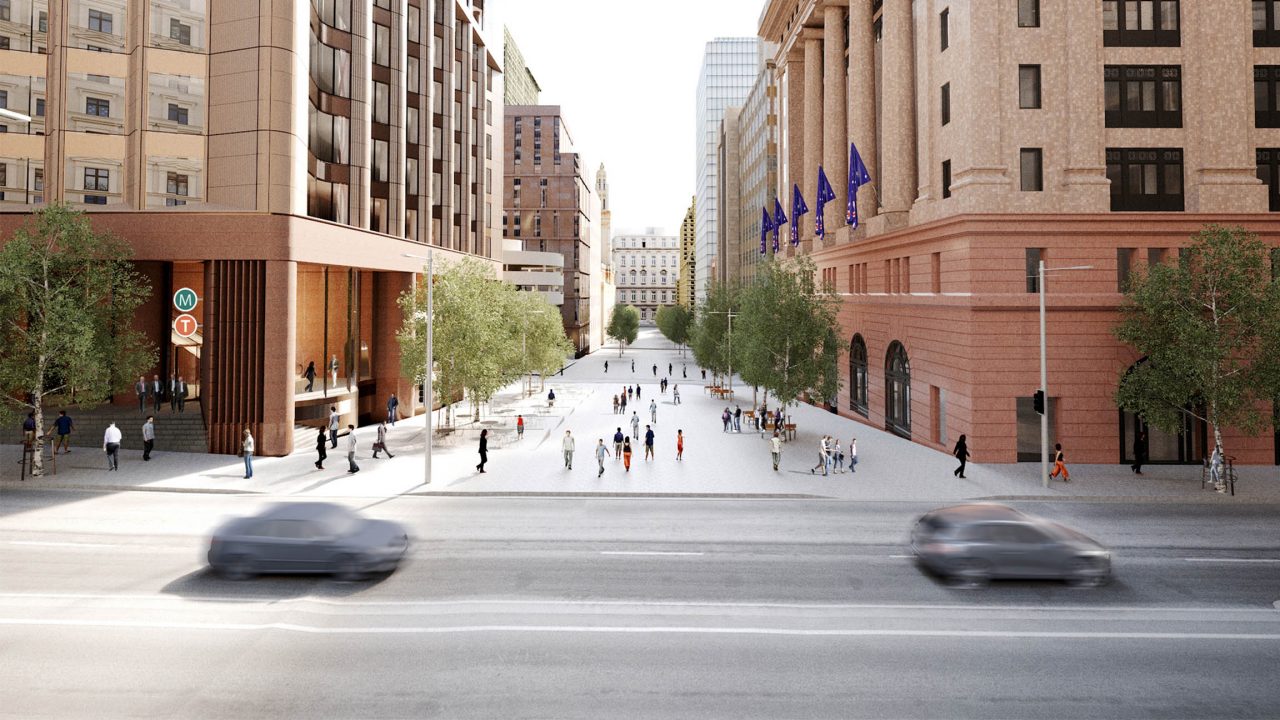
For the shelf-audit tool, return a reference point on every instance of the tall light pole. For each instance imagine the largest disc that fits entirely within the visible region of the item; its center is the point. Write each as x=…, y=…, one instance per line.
x=731, y=315
x=1044, y=371
x=426, y=382
x=524, y=351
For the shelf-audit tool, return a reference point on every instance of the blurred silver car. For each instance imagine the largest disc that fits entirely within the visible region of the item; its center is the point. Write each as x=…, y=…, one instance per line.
x=977, y=542
x=306, y=537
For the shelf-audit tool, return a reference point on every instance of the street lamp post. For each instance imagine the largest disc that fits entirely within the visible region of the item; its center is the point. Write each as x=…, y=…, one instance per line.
x=527, y=384
x=1044, y=370
x=426, y=381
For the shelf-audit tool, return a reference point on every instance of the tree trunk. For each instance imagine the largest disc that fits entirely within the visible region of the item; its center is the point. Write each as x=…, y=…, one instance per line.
x=37, y=445
x=1222, y=453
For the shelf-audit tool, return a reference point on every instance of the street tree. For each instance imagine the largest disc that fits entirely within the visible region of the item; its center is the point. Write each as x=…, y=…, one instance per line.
x=674, y=322
x=67, y=301
x=710, y=338
x=1208, y=328
x=624, y=325
x=789, y=341
x=538, y=334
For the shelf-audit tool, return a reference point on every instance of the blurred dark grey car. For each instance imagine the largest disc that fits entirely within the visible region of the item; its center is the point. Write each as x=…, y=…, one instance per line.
x=981, y=541
x=306, y=537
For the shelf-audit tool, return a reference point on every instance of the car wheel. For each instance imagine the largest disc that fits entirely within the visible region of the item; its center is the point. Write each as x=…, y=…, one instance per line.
x=239, y=567
x=1086, y=573
x=971, y=573
x=349, y=568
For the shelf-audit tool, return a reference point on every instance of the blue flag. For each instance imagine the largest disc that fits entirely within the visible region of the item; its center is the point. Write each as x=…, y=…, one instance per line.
x=798, y=208
x=766, y=224
x=858, y=177
x=779, y=219
x=825, y=195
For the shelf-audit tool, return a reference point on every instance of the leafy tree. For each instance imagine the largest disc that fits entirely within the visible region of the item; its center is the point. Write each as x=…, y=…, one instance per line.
x=710, y=338
x=624, y=325
x=538, y=334
x=674, y=322
x=788, y=332
x=1209, y=327
x=67, y=301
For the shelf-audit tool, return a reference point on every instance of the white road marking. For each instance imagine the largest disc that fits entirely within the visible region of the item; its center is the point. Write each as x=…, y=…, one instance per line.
x=641, y=630
x=49, y=543
x=902, y=556
x=1233, y=560
x=645, y=552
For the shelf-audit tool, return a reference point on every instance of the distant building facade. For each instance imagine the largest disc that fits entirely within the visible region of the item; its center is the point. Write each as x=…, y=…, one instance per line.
x=603, y=290
x=688, y=256
x=728, y=258
x=757, y=164
x=520, y=87
x=647, y=267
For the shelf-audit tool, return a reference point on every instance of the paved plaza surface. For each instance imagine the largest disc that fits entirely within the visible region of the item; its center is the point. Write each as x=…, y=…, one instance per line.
x=715, y=463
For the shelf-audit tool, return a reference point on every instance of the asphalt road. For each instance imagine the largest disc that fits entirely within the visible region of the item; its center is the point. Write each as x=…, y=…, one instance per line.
x=567, y=608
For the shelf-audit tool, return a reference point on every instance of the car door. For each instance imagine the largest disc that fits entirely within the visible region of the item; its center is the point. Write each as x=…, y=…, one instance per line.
x=1022, y=550
x=289, y=548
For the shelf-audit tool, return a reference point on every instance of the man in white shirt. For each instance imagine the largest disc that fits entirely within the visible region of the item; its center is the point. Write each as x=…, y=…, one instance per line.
x=333, y=427
x=602, y=452
x=351, y=449
x=148, y=437
x=775, y=448
x=111, y=445
x=568, y=446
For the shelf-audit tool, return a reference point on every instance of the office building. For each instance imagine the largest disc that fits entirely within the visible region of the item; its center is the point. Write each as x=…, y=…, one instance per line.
x=520, y=87
x=647, y=267
x=688, y=256
x=757, y=165
x=728, y=261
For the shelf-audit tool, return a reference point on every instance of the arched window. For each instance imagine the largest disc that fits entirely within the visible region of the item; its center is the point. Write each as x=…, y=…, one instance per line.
x=897, y=390
x=858, y=375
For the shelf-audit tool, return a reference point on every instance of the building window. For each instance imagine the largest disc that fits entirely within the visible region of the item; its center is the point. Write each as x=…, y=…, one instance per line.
x=1145, y=179
x=97, y=106
x=381, y=160
x=1143, y=96
x=43, y=22
x=381, y=103
x=5, y=10
x=897, y=390
x=100, y=21
x=1266, y=23
x=1034, y=258
x=944, y=22
x=175, y=185
x=946, y=178
x=1029, y=87
x=1140, y=23
x=381, y=45
x=1032, y=165
x=1028, y=13
x=179, y=31
x=858, y=375
x=1269, y=174
x=1266, y=96
x=178, y=114
x=946, y=103
x=39, y=107
x=4, y=42
x=1124, y=266
x=96, y=179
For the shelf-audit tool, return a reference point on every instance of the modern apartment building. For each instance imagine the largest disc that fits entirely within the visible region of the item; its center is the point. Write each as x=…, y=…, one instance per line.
x=688, y=256
x=647, y=267
x=999, y=134
x=280, y=159
x=727, y=264
x=728, y=69
x=548, y=203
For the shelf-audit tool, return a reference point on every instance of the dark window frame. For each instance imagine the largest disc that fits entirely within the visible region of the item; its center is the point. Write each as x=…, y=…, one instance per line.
x=1124, y=85
x=100, y=21
x=945, y=103
x=859, y=372
x=1269, y=35
x=1121, y=166
x=1034, y=73
x=96, y=180
x=1268, y=159
x=1124, y=36
x=946, y=179
x=1028, y=13
x=1033, y=257
x=1266, y=92
x=944, y=29
x=97, y=107
x=897, y=390
x=1037, y=178
x=179, y=114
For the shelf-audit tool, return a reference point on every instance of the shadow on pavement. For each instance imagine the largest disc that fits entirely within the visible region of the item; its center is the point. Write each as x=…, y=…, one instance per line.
x=208, y=586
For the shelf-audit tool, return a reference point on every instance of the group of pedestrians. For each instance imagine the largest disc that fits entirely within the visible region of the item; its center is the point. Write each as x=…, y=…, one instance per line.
x=155, y=391
x=831, y=457
x=732, y=420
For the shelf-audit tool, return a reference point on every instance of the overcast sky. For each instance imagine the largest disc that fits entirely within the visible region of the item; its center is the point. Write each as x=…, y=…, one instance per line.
x=625, y=73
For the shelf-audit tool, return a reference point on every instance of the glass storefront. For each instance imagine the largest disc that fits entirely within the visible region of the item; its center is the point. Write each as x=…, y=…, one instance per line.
x=334, y=329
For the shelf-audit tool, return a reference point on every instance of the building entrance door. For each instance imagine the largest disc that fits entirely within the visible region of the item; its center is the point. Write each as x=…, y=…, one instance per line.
x=1185, y=447
x=185, y=350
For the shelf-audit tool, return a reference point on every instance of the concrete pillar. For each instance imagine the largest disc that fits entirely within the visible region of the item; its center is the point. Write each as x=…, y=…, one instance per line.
x=898, y=164
x=835, y=143
x=279, y=316
x=812, y=123
x=861, y=103
x=388, y=375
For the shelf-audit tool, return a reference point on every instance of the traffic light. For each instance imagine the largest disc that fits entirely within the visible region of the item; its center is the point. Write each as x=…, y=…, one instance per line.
x=1038, y=402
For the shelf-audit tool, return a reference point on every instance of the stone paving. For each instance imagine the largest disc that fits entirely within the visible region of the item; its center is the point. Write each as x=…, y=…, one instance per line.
x=715, y=463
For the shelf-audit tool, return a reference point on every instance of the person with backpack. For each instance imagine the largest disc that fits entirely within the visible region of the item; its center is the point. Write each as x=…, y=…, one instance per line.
x=626, y=454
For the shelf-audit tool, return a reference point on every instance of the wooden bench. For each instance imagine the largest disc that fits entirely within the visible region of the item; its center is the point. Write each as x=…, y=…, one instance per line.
x=790, y=430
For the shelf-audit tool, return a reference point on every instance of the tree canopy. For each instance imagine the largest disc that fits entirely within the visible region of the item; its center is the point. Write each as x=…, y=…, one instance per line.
x=709, y=338
x=674, y=322
x=624, y=325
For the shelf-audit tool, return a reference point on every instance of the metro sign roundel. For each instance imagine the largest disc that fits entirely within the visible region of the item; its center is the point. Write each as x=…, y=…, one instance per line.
x=185, y=300
x=185, y=325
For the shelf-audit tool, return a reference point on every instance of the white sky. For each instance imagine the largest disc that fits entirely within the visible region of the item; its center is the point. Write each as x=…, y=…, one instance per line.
x=626, y=73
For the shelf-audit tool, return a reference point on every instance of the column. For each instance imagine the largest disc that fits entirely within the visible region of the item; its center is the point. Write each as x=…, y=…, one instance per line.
x=812, y=123
x=388, y=375
x=862, y=103
x=898, y=164
x=835, y=143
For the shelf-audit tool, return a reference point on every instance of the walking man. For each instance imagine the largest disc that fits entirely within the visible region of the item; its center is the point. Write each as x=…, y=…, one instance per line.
x=246, y=449
x=648, y=442
x=637, y=391
x=606, y=366
x=310, y=375
x=684, y=371
x=675, y=393
x=737, y=418
x=853, y=455
x=635, y=425
x=352, y=446
x=321, y=443
x=615, y=404
x=618, y=437
x=393, y=407
x=148, y=437
x=602, y=452
x=1059, y=464
x=484, y=449
x=775, y=449
x=653, y=411
x=655, y=369
x=823, y=449
x=182, y=394
x=333, y=371
x=63, y=427
x=381, y=444
x=568, y=446
x=111, y=446
x=157, y=392
x=333, y=427
x=669, y=368
x=633, y=364
x=173, y=393
x=140, y=388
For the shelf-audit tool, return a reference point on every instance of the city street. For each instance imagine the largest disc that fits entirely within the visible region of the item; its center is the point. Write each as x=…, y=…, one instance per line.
x=573, y=607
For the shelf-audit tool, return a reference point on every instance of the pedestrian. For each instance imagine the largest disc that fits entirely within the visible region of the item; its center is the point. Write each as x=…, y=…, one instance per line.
x=633, y=364
x=156, y=392
x=648, y=442
x=333, y=371
x=63, y=426
x=775, y=449
x=853, y=455
x=615, y=404
x=173, y=393
x=111, y=446
x=602, y=452
x=1139, y=452
x=606, y=366
x=333, y=426
x=635, y=425
x=630, y=391
x=655, y=369
x=704, y=374
x=669, y=368
x=519, y=427
x=148, y=437
x=246, y=449
x=962, y=454
x=626, y=454
x=618, y=438
x=1060, y=464
x=381, y=444
x=737, y=418
x=484, y=449
x=393, y=409
x=321, y=443
x=140, y=388
x=352, y=447
x=182, y=394
x=310, y=375
x=822, y=456
x=637, y=391
x=725, y=418
x=622, y=404
x=551, y=398
x=675, y=393
x=653, y=411
x=684, y=371
x=679, y=444
x=568, y=446
x=838, y=453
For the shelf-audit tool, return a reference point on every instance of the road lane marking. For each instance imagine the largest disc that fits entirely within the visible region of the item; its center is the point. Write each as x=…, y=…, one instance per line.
x=900, y=557
x=643, y=630
x=50, y=543
x=1233, y=560
x=646, y=552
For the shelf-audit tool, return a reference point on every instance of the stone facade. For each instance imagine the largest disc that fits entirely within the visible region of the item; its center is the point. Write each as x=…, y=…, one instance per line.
x=647, y=268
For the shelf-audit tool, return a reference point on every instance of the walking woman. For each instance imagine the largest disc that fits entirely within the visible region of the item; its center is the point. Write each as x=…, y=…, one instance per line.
x=626, y=453
x=246, y=449
x=484, y=449
x=322, y=442
x=679, y=444
x=1059, y=464
x=310, y=375
x=962, y=454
